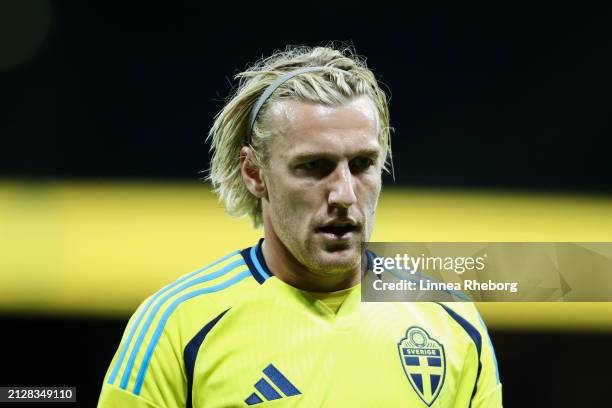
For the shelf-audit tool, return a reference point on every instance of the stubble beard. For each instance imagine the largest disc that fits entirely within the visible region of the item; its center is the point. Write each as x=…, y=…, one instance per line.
x=315, y=255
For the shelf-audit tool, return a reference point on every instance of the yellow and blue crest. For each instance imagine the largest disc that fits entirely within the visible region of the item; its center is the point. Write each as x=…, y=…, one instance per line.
x=424, y=363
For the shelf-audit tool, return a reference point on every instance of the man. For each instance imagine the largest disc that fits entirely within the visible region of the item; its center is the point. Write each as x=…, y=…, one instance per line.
x=300, y=148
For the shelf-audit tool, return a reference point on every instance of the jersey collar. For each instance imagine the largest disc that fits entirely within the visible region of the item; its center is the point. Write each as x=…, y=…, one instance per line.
x=254, y=259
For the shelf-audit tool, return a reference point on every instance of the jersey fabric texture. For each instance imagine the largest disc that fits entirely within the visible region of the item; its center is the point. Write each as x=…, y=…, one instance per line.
x=233, y=335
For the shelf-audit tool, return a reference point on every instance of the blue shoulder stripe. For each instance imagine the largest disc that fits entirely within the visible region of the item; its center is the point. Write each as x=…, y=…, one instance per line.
x=130, y=364
x=474, y=335
x=145, y=308
x=492, y=349
x=467, y=326
x=191, y=353
x=162, y=322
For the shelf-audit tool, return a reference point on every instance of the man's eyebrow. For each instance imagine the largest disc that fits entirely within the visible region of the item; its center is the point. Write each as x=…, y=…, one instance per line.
x=310, y=155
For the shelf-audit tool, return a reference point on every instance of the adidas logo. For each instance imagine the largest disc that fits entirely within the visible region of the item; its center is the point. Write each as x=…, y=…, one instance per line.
x=267, y=391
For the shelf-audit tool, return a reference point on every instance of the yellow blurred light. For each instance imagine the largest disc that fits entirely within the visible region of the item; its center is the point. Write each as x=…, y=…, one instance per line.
x=103, y=247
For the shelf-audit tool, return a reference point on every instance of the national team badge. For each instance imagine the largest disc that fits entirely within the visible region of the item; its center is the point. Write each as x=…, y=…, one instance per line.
x=424, y=363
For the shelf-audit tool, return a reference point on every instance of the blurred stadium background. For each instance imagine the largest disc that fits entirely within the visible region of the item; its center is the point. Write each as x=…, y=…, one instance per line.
x=502, y=123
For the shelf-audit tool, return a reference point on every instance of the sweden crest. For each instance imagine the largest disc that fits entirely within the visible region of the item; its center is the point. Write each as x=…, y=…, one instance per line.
x=424, y=363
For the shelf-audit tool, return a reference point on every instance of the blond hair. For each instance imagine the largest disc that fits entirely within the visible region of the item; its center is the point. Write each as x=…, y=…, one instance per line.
x=344, y=76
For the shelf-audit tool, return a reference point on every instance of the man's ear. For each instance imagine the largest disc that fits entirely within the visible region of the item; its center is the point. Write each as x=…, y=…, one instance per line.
x=251, y=173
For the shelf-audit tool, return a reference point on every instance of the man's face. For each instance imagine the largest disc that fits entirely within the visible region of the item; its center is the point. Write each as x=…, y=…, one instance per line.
x=323, y=179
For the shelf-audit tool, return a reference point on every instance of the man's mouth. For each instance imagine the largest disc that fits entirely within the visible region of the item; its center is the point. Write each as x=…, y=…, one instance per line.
x=338, y=231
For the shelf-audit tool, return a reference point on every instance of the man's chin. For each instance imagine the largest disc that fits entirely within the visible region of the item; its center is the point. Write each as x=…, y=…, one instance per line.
x=338, y=260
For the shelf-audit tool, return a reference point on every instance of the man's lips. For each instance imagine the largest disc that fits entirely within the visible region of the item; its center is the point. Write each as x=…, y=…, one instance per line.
x=339, y=230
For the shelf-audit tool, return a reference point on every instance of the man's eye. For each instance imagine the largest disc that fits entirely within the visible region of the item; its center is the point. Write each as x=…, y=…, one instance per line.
x=318, y=167
x=361, y=163
x=310, y=165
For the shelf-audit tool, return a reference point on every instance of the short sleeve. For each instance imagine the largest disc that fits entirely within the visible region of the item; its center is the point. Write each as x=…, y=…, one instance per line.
x=147, y=369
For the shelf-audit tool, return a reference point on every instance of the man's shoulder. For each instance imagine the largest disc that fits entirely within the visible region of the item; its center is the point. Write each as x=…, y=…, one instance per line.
x=199, y=296
x=466, y=316
x=462, y=312
x=162, y=326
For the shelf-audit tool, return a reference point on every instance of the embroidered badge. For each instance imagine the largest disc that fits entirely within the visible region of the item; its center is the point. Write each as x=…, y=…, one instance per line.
x=423, y=362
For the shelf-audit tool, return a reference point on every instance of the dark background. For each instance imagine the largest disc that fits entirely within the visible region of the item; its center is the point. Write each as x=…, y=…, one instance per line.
x=501, y=97
x=486, y=97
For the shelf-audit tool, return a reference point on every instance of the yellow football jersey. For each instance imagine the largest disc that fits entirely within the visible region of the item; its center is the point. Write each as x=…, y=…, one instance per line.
x=233, y=335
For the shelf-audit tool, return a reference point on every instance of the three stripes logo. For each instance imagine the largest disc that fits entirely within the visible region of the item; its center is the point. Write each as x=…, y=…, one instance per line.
x=281, y=387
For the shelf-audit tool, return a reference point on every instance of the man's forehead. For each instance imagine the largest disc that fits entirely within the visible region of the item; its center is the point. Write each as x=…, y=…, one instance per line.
x=290, y=115
x=302, y=128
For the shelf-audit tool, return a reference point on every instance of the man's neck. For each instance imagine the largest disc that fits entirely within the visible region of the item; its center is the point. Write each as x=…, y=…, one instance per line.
x=287, y=268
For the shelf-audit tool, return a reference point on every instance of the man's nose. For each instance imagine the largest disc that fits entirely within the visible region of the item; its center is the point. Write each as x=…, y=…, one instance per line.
x=342, y=189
